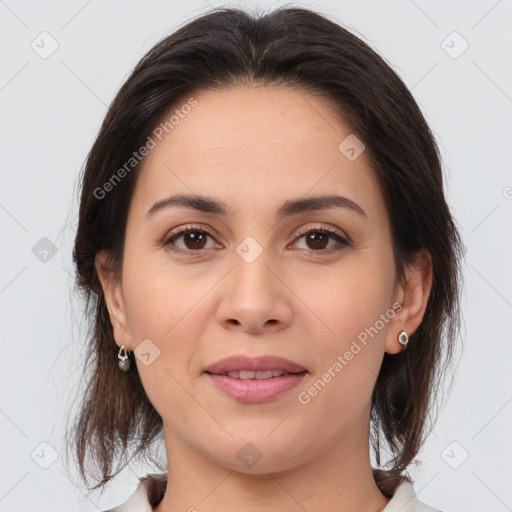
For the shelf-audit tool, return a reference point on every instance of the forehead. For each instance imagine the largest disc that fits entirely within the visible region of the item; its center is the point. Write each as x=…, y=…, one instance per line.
x=250, y=146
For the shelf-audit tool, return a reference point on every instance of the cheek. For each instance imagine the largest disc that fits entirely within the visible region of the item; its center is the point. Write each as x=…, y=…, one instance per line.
x=354, y=307
x=159, y=295
x=168, y=306
x=351, y=298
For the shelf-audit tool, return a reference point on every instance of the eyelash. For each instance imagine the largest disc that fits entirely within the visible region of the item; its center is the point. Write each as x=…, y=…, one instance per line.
x=184, y=230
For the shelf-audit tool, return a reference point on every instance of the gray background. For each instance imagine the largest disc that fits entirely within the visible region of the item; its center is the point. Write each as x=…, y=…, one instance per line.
x=51, y=109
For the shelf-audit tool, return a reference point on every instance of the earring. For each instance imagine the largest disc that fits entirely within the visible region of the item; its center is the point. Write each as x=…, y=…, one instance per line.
x=403, y=338
x=124, y=361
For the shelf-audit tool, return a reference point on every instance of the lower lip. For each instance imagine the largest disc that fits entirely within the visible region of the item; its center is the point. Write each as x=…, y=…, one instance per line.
x=256, y=390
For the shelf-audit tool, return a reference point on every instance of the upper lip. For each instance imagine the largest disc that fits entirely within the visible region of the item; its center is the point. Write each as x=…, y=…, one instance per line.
x=261, y=363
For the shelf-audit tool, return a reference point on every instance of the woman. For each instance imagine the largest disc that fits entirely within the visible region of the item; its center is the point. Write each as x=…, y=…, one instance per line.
x=272, y=270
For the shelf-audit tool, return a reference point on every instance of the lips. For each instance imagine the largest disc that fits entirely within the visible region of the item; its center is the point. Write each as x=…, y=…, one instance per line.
x=243, y=367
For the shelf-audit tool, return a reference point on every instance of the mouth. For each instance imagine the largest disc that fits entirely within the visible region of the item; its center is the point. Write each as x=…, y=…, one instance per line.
x=255, y=375
x=245, y=367
x=255, y=379
x=250, y=386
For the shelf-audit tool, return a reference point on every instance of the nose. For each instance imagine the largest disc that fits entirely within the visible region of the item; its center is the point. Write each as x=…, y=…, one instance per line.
x=255, y=298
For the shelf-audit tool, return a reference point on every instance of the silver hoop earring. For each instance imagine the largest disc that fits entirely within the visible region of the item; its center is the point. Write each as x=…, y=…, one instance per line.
x=124, y=361
x=403, y=338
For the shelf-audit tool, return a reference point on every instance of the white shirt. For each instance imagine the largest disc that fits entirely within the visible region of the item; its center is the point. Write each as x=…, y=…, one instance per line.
x=404, y=499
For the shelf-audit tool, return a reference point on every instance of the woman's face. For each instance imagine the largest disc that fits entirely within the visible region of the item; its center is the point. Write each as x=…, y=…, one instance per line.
x=250, y=281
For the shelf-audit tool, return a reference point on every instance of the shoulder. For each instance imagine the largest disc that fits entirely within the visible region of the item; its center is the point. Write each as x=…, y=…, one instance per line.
x=405, y=500
x=149, y=492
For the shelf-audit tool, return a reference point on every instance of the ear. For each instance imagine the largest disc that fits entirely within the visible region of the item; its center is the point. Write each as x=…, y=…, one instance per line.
x=113, y=292
x=413, y=295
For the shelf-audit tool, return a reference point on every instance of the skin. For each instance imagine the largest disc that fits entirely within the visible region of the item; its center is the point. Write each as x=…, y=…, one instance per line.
x=254, y=148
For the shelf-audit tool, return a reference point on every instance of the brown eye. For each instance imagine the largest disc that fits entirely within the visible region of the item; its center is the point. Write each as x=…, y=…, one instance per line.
x=193, y=239
x=318, y=239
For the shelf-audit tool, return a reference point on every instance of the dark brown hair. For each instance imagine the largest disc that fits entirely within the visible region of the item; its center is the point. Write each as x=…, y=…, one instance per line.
x=305, y=50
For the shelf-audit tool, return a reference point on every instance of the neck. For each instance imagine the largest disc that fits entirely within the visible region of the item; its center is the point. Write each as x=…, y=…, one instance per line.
x=340, y=479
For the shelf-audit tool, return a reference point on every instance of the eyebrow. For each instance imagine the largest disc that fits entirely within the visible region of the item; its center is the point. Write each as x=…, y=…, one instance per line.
x=290, y=207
